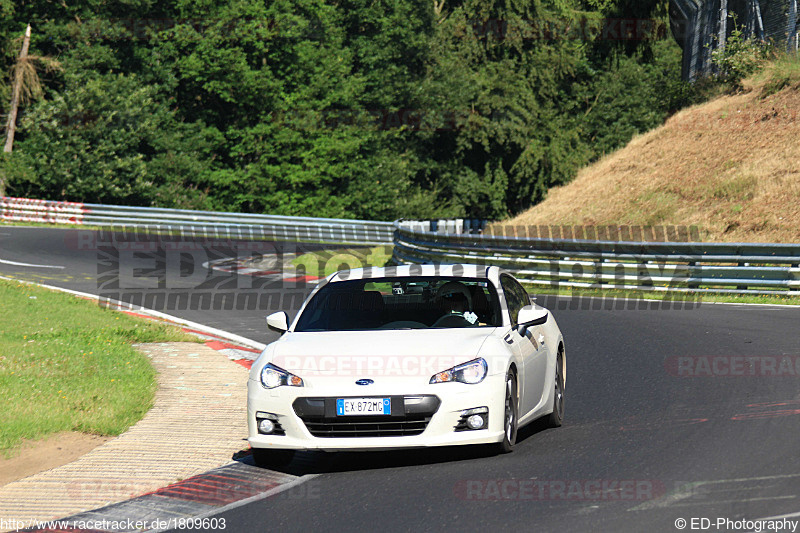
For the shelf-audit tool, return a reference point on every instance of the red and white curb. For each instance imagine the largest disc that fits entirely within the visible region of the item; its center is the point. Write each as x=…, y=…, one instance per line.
x=230, y=348
x=188, y=504
x=239, y=266
x=242, y=355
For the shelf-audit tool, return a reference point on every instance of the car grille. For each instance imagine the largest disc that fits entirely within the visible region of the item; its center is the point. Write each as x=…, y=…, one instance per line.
x=374, y=427
x=410, y=416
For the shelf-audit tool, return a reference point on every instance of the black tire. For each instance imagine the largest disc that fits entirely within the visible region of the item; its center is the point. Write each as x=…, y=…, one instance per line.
x=268, y=457
x=511, y=415
x=556, y=418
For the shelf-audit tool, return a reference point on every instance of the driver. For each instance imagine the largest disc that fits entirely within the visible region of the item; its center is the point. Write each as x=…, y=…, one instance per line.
x=455, y=303
x=456, y=306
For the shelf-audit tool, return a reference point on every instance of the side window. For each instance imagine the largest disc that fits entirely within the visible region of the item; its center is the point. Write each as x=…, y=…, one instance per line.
x=522, y=294
x=513, y=299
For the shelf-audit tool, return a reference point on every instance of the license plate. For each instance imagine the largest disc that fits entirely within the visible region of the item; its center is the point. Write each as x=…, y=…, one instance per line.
x=363, y=406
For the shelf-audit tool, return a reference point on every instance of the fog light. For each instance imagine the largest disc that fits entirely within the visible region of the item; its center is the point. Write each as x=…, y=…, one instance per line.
x=472, y=419
x=266, y=426
x=475, y=422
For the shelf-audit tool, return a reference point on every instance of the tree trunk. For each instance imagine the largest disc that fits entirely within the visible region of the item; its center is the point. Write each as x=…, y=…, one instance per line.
x=12, y=114
x=11, y=125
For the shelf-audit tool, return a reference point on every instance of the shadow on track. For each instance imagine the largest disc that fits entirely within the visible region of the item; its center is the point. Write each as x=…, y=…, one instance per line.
x=317, y=462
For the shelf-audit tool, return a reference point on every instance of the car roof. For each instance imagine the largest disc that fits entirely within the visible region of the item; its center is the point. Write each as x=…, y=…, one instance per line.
x=432, y=271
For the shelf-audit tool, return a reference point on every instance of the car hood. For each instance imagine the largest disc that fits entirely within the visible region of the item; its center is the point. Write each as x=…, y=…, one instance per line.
x=376, y=351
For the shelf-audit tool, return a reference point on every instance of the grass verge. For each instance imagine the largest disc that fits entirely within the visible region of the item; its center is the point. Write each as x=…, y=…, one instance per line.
x=66, y=364
x=22, y=224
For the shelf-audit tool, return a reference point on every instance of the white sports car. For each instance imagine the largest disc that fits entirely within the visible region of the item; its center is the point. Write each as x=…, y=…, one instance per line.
x=409, y=356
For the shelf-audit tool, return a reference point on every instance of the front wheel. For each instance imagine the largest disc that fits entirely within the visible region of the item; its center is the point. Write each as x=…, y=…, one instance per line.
x=557, y=416
x=511, y=413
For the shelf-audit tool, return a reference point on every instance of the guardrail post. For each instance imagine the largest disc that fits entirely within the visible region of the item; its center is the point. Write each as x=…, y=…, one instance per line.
x=619, y=277
x=742, y=287
x=692, y=285
x=599, y=272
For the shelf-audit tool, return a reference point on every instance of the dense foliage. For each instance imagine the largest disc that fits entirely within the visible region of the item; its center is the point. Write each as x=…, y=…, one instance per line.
x=371, y=109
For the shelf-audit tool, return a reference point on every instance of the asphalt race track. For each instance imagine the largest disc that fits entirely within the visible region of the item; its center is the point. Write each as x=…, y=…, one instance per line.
x=687, y=412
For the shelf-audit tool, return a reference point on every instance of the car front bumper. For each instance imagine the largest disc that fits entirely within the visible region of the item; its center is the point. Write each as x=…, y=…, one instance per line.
x=452, y=400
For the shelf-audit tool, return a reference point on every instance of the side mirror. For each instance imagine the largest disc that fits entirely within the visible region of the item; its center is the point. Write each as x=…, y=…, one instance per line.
x=531, y=316
x=278, y=322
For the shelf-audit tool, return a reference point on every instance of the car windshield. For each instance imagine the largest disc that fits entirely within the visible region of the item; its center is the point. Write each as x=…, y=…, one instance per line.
x=402, y=303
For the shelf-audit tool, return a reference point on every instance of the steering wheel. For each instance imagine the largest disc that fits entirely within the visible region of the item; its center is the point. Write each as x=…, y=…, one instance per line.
x=452, y=321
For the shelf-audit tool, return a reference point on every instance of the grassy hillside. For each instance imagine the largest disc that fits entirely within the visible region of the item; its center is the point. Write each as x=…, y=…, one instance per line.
x=730, y=166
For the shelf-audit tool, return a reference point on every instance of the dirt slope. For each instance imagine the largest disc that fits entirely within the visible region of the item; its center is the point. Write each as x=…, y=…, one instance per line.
x=730, y=167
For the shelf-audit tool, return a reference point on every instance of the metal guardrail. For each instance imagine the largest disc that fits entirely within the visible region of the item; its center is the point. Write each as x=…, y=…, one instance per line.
x=187, y=223
x=655, y=266
x=739, y=268
x=459, y=225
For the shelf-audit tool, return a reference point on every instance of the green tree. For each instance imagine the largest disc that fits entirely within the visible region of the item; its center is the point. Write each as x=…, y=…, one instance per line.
x=492, y=67
x=355, y=108
x=109, y=139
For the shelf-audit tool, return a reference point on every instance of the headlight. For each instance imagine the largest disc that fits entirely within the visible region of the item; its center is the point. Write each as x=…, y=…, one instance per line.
x=273, y=376
x=471, y=372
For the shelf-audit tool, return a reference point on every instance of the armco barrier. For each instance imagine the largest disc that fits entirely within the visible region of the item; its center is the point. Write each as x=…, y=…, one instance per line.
x=739, y=268
x=199, y=223
x=656, y=266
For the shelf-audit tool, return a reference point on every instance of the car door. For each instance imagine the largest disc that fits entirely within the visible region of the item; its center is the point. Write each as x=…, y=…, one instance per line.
x=531, y=345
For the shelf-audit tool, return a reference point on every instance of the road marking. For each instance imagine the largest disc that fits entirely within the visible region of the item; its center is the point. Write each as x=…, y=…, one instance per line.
x=687, y=491
x=765, y=498
x=15, y=263
x=779, y=517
